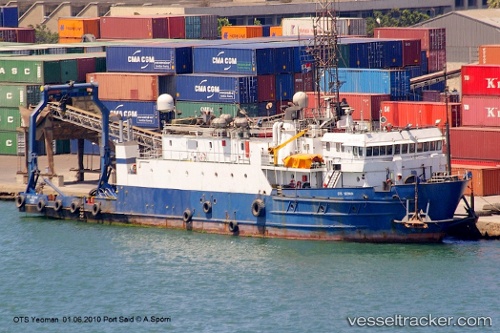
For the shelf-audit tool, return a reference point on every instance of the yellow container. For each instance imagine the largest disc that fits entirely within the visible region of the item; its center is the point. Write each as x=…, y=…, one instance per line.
x=78, y=26
x=276, y=31
x=241, y=31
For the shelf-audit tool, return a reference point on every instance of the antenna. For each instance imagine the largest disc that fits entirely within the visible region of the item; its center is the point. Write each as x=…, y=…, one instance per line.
x=325, y=53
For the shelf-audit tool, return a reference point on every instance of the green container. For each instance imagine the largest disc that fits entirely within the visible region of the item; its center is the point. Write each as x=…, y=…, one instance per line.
x=8, y=142
x=10, y=119
x=14, y=95
x=61, y=147
x=69, y=70
x=196, y=109
x=30, y=69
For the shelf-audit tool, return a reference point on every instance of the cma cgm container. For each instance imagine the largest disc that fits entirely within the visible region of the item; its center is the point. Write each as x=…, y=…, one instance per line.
x=475, y=143
x=489, y=54
x=76, y=27
x=217, y=88
x=248, y=59
x=366, y=106
x=14, y=95
x=9, y=17
x=141, y=113
x=132, y=86
x=480, y=110
x=157, y=58
x=431, y=38
x=189, y=109
x=240, y=31
x=131, y=27
x=481, y=80
x=395, y=82
x=419, y=114
x=30, y=69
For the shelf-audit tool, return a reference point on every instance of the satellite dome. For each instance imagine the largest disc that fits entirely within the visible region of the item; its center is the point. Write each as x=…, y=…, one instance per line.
x=300, y=99
x=165, y=102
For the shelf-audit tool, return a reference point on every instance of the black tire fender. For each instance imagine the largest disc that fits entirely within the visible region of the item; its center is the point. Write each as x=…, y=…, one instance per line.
x=58, y=205
x=187, y=216
x=73, y=207
x=233, y=226
x=96, y=208
x=40, y=205
x=20, y=200
x=207, y=207
x=258, y=207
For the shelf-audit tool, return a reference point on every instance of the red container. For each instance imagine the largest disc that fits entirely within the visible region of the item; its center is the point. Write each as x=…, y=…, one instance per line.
x=436, y=60
x=475, y=143
x=481, y=80
x=419, y=114
x=84, y=66
x=485, y=179
x=127, y=86
x=133, y=27
x=366, y=106
x=304, y=81
x=480, y=110
x=411, y=52
x=431, y=96
x=430, y=38
x=176, y=27
x=25, y=35
x=489, y=54
x=266, y=88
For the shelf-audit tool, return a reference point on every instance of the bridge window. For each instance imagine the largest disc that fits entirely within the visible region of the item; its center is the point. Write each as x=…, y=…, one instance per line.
x=355, y=151
x=397, y=149
x=389, y=150
x=412, y=148
x=376, y=151
x=439, y=145
x=426, y=146
x=369, y=151
x=327, y=146
x=404, y=148
x=420, y=147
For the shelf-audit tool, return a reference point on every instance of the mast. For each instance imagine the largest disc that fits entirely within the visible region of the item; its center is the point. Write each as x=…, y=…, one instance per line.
x=447, y=125
x=325, y=53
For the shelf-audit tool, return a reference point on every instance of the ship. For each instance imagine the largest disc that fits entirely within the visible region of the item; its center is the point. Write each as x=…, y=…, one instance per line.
x=281, y=178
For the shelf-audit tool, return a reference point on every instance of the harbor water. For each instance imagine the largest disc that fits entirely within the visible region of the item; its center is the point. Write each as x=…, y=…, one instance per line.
x=69, y=276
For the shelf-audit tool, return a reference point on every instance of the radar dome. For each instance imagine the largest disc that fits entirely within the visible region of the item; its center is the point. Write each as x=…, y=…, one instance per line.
x=165, y=102
x=300, y=99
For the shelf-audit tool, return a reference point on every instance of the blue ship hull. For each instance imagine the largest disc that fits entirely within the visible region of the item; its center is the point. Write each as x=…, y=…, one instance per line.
x=353, y=214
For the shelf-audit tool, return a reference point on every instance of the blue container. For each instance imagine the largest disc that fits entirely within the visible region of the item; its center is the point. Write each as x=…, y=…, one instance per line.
x=240, y=59
x=266, y=30
x=9, y=17
x=392, y=53
x=395, y=82
x=192, y=24
x=89, y=148
x=299, y=60
x=217, y=88
x=424, y=62
x=285, y=86
x=157, y=58
x=141, y=113
x=415, y=71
